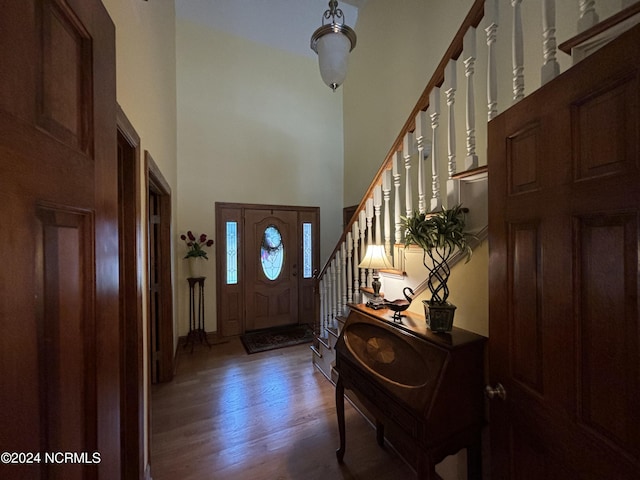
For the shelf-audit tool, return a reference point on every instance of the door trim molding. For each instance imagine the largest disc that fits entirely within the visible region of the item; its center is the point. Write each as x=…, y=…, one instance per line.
x=132, y=381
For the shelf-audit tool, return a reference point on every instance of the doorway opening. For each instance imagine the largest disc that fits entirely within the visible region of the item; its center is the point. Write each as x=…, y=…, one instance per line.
x=160, y=284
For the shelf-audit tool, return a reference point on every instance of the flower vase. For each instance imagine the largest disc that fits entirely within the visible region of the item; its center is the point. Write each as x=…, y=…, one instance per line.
x=196, y=267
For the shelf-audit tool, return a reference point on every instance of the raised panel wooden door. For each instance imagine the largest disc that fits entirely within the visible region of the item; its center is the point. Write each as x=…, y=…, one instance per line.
x=271, y=264
x=564, y=209
x=59, y=341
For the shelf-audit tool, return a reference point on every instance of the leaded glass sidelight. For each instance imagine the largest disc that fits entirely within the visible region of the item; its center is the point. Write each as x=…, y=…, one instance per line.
x=272, y=252
x=307, y=251
x=232, y=253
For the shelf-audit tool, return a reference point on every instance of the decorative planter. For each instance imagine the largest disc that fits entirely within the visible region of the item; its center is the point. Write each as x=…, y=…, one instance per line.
x=196, y=267
x=439, y=315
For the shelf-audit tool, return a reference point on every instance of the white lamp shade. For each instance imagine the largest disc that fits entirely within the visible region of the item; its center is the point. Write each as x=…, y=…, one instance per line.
x=333, y=54
x=375, y=258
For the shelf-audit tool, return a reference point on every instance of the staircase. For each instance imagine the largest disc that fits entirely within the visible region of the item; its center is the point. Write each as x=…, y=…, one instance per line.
x=424, y=171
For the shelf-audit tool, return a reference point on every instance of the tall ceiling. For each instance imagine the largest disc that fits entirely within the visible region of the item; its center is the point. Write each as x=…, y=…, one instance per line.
x=283, y=24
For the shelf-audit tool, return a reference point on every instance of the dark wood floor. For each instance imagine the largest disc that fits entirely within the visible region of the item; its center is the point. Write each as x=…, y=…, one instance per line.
x=232, y=416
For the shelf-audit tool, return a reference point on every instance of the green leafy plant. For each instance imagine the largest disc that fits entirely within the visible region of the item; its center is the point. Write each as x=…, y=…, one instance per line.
x=195, y=245
x=440, y=235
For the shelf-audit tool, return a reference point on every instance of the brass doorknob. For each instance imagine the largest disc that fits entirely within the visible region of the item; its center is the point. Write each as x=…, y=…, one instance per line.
x=498, y=391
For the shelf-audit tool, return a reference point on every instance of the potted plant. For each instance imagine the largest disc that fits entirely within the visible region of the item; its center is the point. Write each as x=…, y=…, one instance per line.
x=196, y=252
x=440, y=235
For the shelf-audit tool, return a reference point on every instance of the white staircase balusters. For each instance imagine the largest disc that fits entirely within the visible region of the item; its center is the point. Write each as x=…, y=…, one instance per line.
x=342, y=279
x=355, y=230
x=588, y=16
x=550, y=67
x=491, y=17
x=323, y=297
x=469, y=55
x=434, y=114
x=349, y=251
x=329, y=310
x=334, y=290
x=343, y=276
x=450, y=82
x=363, y=247
x=407, y=151
x=421, y=133
x=386, y=194
x=395, y=162
x=369, y=212
x=517, y=52
x=377, y=211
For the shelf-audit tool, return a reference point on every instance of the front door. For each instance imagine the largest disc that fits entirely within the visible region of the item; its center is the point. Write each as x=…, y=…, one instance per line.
x=266, y=258
x=271, y=266
x=564, y=210
x=59, y=292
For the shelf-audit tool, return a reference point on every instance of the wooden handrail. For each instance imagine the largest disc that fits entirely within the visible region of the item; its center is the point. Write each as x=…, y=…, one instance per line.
x=473, y=18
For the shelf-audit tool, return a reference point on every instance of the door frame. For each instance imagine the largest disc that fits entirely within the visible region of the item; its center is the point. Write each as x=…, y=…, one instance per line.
x=156, y=183
x=234, y=309
x=132, y=380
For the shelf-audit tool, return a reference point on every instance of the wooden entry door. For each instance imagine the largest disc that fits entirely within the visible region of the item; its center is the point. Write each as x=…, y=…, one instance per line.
x=247, y=299
x=564, y=208
x=271, y=268
x=59, y=292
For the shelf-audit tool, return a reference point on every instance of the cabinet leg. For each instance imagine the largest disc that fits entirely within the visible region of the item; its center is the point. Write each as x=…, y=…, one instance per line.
x=340, y=414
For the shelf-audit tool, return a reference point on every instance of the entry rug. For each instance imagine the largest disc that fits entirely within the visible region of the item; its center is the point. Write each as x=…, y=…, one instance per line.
x=279, y=337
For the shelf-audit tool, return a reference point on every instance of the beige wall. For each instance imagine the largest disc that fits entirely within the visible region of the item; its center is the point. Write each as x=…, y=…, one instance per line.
x=255, y=125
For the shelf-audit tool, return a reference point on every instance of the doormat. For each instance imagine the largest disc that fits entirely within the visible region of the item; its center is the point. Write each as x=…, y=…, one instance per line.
x=279, y=337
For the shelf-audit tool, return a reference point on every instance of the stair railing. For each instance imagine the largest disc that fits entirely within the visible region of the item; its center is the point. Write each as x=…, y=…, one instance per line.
x=341, y=281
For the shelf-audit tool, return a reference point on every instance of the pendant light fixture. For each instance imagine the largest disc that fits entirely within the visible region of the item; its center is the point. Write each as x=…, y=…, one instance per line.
x=333, y=42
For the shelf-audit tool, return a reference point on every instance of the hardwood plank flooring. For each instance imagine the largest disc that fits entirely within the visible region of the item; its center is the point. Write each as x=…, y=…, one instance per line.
x=231, y=416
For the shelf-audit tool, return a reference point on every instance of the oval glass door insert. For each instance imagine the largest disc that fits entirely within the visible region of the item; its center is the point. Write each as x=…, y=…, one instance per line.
x=272, y=252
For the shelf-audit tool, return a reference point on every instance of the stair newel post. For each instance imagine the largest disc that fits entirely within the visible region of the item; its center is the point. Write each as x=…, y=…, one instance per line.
x=469, y=53
x=550, y=68
x=355, y=233
x=369, y=216
x=421, y=133
x=363, y=246
x=386, y=194
x=349, y=250
x=395, y=166
x=407, y=151
x=434, y=114
x=450, y=80
x=491, y=17
x=517, y=52
x=588, y=16
x=343, y=277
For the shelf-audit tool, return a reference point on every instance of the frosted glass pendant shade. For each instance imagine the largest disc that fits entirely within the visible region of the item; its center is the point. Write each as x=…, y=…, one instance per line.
x=333, y=55
x=332, y=43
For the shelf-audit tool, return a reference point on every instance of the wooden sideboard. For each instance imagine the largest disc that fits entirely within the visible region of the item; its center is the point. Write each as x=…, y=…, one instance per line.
x=424, y=389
